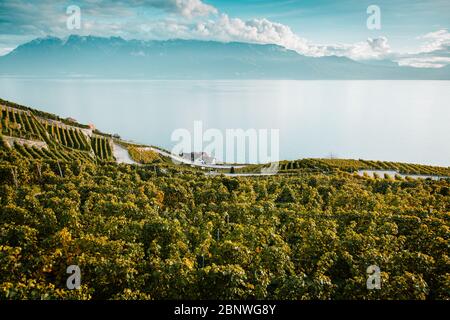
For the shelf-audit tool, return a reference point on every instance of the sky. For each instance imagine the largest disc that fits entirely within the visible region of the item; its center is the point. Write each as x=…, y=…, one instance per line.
x=413, y=32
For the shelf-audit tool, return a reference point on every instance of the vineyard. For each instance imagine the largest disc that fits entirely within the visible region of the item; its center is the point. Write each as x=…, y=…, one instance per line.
x=141, y=233
x=25, y=128
x=102, y=148
x=143, y=155
x=349, y=165
x=160, y=231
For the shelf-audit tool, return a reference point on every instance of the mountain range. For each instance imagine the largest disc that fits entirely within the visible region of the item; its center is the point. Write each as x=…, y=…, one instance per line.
x=114, y=57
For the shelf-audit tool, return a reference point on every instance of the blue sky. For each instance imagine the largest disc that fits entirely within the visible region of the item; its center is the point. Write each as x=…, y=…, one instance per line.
x=327, y=21
x=412, y=32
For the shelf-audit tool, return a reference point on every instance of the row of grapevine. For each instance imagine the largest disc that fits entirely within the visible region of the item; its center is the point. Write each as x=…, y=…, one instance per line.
x=72, y=138
x=33, y=152
x=40, y=114
x=22, y=124
x=102, y=148
x=65, y=143
x=18, y=124
x=350, y=165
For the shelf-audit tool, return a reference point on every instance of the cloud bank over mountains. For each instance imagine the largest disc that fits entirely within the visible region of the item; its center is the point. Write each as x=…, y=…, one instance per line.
x=434, y=53
x=195, y=19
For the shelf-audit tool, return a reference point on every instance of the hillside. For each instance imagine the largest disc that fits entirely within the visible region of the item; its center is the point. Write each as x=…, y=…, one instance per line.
x=353, y=166
x=88, y=56
x=160, y=231
x=40, y=135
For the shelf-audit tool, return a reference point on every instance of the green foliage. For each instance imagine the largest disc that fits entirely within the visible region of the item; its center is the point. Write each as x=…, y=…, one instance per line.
x=167, y=232
x=143, y=156
x=64, y=140
x=350, y=165
x=140, y=234
x=39, y=113
x=102, y=148
x=286, y=195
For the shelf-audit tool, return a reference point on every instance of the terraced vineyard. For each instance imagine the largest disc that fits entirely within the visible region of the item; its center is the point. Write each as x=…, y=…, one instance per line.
x=102, y=148
x=37, y=135
x=69, y=137
x=404, y=168
x=19, y=123
x=349, y=165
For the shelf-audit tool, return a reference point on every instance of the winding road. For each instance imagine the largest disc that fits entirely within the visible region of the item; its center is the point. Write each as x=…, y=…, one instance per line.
x=122, y=156
x=177, y=159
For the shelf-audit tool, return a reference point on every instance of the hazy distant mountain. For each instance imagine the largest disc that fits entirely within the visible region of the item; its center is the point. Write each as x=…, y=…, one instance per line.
x=189, y=59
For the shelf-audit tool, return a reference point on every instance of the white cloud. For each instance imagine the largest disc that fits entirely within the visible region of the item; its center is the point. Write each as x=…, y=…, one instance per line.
x=372, y=49
x=436, y=41
x=264, y=31
x=193, y=8
x=425, y=62
x=5, y=51
x=186, y=8
x=434, y=53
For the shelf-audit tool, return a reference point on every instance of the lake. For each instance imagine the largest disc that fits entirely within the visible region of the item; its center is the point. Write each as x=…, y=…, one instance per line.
x=407, y=121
